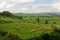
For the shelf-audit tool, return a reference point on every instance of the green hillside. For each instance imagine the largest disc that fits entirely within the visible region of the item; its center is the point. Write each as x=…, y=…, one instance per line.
x=29, y=27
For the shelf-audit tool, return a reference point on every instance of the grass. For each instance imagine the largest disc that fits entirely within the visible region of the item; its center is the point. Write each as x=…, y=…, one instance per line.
x=27, y=28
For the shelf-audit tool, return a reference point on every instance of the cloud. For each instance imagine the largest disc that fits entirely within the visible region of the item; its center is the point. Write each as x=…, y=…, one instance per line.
x=3, y=4
x=19, y=1
x=26, y=1
x=27, y=7
x=9, y=5
x=57, y=0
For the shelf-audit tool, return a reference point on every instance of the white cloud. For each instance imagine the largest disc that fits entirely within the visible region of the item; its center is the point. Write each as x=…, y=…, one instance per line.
x=56, y=5
x=12, y=6
x=9, y=5
x=26, y=1
x=19, y=1
x=3, y=4
x=57, y=0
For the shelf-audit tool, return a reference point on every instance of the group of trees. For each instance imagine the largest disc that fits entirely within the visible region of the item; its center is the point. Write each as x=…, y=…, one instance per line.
x=9, y=14
x=5, y=13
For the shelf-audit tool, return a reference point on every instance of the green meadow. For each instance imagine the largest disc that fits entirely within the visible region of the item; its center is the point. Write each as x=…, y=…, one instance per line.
x=30, y=27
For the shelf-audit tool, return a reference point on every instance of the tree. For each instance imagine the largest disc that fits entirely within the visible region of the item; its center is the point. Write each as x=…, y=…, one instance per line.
x=6, y=13
x=46, y=22
x=37, y=20
x=54, y=22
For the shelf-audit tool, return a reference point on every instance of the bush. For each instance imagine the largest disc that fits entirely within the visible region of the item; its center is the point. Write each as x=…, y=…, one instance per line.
x=46, y=22
x=13, y=37
x=4, y=21
x=2, y=33
x=46, y=36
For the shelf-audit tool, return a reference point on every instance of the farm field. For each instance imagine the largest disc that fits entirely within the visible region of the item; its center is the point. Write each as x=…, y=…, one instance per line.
x=29, y=27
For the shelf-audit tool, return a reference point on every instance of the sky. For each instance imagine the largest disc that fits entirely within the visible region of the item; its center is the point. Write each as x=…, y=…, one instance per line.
x=30, y=6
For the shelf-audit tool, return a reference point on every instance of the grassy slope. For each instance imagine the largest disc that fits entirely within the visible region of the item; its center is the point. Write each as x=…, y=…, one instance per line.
x=24, y=28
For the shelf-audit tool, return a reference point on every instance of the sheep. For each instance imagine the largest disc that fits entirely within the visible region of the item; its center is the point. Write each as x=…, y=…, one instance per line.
x=33, y=30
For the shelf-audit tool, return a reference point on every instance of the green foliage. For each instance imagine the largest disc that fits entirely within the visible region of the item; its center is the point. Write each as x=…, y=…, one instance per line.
x=6, y=13
x=13, y=37
x=46, y=22
x=3, y=33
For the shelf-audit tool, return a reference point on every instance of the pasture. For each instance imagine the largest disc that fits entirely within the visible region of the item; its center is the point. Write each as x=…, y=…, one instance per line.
x=30, y=26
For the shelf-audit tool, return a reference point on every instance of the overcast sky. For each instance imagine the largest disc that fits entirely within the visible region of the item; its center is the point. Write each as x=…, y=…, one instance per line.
x=30, y=6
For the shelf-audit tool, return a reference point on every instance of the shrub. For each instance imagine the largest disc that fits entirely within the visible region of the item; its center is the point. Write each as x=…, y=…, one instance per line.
x=46, y=22
x=3, y=33
x=13, y=37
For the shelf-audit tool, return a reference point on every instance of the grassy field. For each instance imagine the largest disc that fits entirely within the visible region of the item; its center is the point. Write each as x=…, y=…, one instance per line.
x=28, y=27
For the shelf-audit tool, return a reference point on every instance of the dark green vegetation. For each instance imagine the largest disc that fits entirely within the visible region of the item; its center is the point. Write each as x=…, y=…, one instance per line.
x=29, y=26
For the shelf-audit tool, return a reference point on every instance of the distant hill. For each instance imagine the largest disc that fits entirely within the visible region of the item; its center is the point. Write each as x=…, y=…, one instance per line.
x=38, y=14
